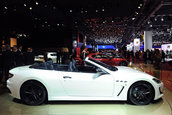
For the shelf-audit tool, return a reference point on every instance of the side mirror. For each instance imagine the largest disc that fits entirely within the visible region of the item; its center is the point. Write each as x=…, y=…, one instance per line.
x=98, y=75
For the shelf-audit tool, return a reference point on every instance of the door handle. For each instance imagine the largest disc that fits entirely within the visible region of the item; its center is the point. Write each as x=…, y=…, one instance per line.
x=67, y=77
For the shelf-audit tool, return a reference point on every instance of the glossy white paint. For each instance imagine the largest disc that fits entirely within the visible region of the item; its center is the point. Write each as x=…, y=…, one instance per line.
x=65, y=85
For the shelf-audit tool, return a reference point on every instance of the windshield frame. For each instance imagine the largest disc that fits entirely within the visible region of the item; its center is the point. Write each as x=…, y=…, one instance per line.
x=112, y=68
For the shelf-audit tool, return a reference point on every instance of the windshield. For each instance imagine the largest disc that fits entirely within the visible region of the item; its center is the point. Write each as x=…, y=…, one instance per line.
x=112, y=68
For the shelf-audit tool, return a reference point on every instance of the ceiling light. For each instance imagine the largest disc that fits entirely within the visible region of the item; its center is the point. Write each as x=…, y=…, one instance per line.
x=30, y=8
x=54, y=7
x=70, y=10
x=96, y=10
x=103, y=10
x=24, y=5
x=133, y=18
x=162, y=19
x=6, y=7
x=36, y=3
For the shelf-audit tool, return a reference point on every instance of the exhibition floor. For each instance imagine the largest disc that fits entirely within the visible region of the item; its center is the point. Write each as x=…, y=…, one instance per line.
x=10, y=106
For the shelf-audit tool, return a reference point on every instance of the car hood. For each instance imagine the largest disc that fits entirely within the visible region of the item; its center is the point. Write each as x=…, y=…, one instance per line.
x=128, y=72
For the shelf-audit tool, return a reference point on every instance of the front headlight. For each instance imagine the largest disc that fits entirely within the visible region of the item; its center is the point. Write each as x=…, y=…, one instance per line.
x=156, y=80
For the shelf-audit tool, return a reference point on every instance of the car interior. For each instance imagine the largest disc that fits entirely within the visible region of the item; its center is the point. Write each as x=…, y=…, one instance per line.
x=49, y=65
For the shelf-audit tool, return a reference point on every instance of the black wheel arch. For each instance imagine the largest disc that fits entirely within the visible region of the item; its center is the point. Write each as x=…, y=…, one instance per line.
x=32, y=80
x=142, y=81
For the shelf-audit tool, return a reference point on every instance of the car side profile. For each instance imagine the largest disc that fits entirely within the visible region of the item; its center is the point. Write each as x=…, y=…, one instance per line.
x=94, y=80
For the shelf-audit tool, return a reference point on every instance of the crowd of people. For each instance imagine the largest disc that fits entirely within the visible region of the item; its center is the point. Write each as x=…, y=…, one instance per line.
x=14, y=57
x=155, y=57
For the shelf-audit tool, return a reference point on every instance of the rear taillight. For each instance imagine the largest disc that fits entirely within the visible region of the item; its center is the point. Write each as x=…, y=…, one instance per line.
x=10, y=75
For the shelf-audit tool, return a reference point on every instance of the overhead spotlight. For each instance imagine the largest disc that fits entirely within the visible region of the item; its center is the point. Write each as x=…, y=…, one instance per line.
x=30, y=8
x=6, y=7
x=24, y=5
x=70, y=11
x=139, y=7
x=103, y=10
x=148, y=22
x=168, y=30
x=14, y=10
x=96, y=10
x=36, y=3
x=133, y=18
x=155, y=19
x=162, y=19
x=54, y=7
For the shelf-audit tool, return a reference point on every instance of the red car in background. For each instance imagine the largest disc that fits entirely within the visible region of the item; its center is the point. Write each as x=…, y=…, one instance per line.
x=114, y=61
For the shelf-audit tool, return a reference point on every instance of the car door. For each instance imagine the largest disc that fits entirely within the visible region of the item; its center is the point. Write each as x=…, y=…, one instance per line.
x=88, y=83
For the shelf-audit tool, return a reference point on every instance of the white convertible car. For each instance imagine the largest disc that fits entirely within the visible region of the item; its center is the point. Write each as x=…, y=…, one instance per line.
x=37, y=83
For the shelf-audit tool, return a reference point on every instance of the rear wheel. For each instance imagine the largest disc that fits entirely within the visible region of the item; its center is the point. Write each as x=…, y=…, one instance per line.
x=33, y=93
x=141, y=93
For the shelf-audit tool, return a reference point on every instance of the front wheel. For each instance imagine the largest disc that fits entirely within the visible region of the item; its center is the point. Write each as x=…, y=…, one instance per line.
x=141, y=93
x=33, y=93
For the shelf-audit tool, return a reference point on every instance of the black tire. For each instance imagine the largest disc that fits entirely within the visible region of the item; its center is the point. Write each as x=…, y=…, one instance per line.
x=123, y=63
x=33, y=93
x=141, y=93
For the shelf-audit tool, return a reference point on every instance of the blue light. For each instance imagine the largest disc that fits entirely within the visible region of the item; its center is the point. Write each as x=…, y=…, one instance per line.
x=106, y=47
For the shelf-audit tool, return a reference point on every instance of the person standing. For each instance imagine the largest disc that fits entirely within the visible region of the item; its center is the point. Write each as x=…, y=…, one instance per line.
x=29, y=57
x=1, y=62
x=163, y=56
x=147, y=56
x=8, y=61
x=20, y=57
